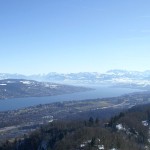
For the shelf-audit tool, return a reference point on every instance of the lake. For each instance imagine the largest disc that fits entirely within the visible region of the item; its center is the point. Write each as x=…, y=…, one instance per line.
x=99, y=92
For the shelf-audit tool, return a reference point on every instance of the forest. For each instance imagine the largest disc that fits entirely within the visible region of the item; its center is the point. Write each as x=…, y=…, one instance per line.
x=127, y=130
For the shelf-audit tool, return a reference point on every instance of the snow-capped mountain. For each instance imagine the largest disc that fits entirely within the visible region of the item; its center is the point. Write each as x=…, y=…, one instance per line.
x=111, y=77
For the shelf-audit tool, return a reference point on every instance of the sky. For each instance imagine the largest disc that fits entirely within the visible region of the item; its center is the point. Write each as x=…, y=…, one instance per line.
x=42, y=36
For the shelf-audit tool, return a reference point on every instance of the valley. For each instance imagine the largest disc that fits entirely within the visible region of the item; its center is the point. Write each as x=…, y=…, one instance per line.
x=16, y=123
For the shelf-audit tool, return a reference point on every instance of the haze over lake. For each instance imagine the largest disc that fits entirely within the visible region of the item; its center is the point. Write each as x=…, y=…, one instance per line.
x=99, y=92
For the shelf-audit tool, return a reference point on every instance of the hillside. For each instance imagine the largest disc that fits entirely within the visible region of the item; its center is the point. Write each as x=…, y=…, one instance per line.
x=127, y=131
x=18, y=88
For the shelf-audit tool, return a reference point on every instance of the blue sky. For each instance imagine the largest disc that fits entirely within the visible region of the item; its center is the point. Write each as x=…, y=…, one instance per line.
x=41, y=36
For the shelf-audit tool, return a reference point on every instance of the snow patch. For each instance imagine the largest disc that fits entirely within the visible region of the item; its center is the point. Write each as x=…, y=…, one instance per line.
x=50, y=121
x=145, y=123
x=82, y=145
x=85, y=143
x=100, y=147
x=26, y=82
x=3, y=84
x=120, y=127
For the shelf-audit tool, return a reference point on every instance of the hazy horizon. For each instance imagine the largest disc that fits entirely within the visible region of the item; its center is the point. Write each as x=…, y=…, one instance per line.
x=74, y=36
x=100, y=72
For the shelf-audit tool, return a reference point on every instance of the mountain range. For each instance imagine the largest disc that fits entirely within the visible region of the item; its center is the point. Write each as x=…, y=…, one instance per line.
x=111, y=77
